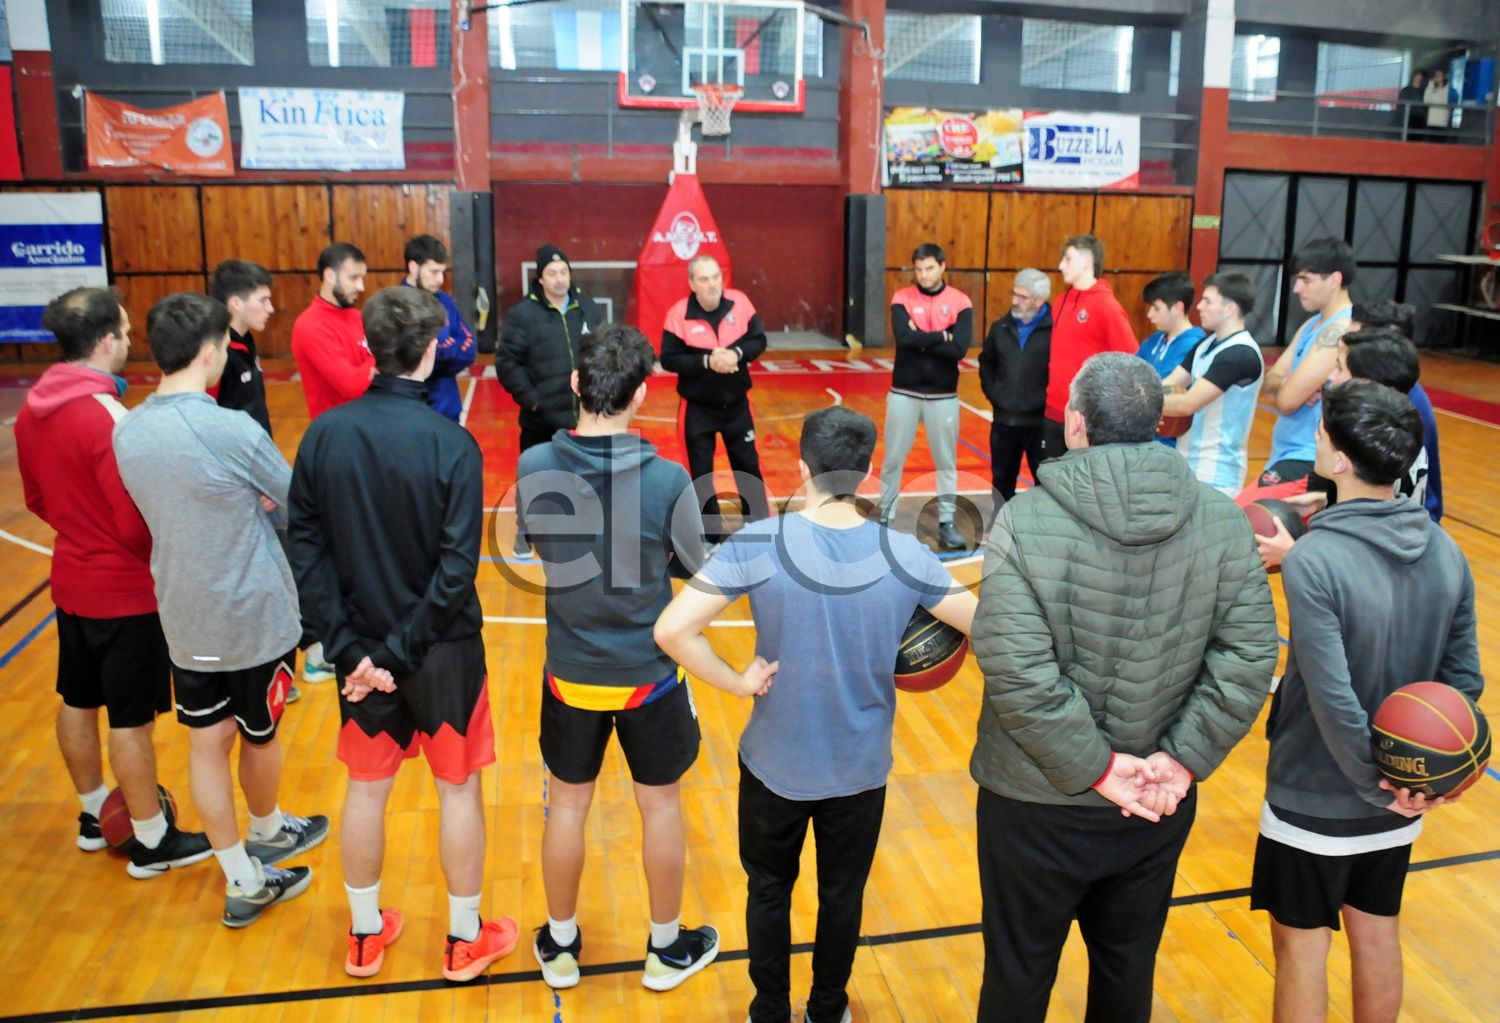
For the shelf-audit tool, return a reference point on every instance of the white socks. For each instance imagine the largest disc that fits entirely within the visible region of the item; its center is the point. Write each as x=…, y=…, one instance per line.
x=93, y=801
x=150, y=832
x=564, y=932
x=663, y=935
x=263, y=829
x=239, y=869
x=463, y=916
x=364, y=907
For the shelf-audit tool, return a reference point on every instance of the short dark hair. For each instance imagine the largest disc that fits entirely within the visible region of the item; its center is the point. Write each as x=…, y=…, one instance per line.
x=1377, y=429
x=399, y=325
x=1090, y=244
x=81, y=318
x=1236, y=287
x=1120, y=398
x=1326, y=256
x=336, y=255
x=1386, y=313
x=929, y=250
x=1384, y=355
x=237, y=278
x=180, y=325
x=1169, y=289
x=837, y=444
x=425, y=247
x=612, y=363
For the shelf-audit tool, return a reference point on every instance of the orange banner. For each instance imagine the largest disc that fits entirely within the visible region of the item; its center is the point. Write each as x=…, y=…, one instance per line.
x=190, y=138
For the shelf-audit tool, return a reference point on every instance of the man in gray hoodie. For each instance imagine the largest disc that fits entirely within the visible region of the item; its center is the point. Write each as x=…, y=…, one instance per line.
x=1127, y=639
x=1378, y=597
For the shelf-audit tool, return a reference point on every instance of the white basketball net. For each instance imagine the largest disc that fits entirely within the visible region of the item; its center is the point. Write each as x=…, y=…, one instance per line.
x=715, y=105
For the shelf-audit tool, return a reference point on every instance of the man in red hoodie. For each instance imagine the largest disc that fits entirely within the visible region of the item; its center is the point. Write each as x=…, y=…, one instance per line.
x=110, y=649
x=328, y=339
x=1087, y=320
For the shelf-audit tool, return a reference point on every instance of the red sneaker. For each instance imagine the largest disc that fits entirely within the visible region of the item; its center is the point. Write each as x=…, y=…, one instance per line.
x=367, y=951
x=465, y=960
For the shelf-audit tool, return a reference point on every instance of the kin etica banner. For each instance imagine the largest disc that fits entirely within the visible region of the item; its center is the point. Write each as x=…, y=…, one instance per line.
x=321, y=129
x=189, y=138
x=50, y=242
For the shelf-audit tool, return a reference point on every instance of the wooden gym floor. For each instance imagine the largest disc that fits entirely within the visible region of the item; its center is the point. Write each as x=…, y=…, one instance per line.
x=81, y=940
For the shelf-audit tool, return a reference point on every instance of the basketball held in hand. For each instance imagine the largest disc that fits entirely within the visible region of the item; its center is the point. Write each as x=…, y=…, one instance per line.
x=930, y=653
x=1430, y=738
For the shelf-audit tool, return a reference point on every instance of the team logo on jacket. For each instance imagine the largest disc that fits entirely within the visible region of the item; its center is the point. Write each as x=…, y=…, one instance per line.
x=585, y=327
x=685, y=234
x=729, y=318
x=1083, y=316
x=917, y=310
x=943, y=309
x=749, y=436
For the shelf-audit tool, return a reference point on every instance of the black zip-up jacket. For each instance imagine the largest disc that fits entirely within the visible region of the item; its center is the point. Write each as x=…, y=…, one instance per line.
x=1014, y=379
x=387, y=513
x=536, y=353
x=695, y=381
x=926, y=364
x=243, y=385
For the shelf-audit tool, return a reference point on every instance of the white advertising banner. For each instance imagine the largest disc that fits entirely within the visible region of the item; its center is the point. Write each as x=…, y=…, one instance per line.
x=50, y=242
x=1066, y=149
x=321, y=129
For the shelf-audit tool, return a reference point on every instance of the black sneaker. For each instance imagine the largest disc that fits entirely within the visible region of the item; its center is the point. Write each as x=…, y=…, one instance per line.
x=90, y=838
x=559, y=963
x=670, y=966
x=177, y=849
x=297, y=835
x=950, y=539
x=242, y=908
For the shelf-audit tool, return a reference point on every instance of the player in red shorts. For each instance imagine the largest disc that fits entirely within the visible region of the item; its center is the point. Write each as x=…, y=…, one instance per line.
x=387, y=512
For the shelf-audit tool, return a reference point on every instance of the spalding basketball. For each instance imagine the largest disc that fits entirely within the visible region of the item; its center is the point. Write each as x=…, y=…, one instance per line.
x=114, y=818
x=1265, y=513
x=930, y=653
x=1174, y=426
x=1430, y=738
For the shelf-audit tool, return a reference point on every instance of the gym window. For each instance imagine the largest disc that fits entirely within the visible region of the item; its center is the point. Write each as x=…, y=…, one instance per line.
x=165, y=32
x=1253, y=72
x=932, y=47
x=378, y=33
x=1075, y=55
x=1352, y=73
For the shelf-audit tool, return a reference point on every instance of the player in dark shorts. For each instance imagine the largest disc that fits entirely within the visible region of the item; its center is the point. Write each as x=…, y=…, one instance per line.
x=604, y=672
x=110, y=649
x=211, y=486
x=388, y=586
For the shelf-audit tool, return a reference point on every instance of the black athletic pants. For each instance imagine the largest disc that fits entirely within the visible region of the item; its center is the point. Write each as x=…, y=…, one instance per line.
x=1053, y=442
x=702, y=425
x=1041, y=867
x=772, y=830
x=1007, y=445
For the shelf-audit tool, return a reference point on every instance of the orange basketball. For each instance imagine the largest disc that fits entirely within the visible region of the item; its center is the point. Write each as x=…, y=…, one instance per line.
x=1430, y=738
x=1174, y=426
x=114, y=818
x=930, y=653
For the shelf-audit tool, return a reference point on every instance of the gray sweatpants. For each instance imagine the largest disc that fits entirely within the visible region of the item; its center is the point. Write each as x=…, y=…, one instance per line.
x=940, y=416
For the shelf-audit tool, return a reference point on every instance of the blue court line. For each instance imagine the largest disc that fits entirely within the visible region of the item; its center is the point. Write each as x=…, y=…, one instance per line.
x=1492, y=773
x=974, y=449
x=15, y=651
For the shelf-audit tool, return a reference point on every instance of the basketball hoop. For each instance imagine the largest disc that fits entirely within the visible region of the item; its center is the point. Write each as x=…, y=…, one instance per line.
x=716, y=102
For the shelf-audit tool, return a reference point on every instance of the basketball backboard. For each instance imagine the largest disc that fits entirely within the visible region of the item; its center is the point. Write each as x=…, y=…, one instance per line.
x=668, y=47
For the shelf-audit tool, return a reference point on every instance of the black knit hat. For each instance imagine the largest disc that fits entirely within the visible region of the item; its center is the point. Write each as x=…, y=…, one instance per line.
x=547, y=255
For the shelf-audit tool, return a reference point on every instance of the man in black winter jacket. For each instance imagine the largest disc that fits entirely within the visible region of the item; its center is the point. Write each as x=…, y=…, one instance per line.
x=1013, y=373
x=538, y=348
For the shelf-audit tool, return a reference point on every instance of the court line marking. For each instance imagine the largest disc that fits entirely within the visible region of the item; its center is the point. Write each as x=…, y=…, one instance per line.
x=463, y=415
x=36, y=631
x=23, y=542
x=727, y=623
x=838, y=399
x=988, y=417
x=594, y=970
x=20, y=604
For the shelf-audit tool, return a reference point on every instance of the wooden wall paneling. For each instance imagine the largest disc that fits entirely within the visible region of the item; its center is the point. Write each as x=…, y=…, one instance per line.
x=1028, y=228
x=377, y=279
x=139, y=292
x=970, y=282
x=290, y=294
x=281, y=227
x=153, y=228
x=1127, y=287
x=1144, y=232
x=953, y=219
x=380, y=218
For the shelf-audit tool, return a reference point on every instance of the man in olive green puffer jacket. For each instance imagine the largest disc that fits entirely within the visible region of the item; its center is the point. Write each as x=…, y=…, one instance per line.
x=1127, y=639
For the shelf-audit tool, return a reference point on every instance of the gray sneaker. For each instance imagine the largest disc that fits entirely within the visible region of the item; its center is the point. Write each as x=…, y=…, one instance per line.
x=949, y=538
x=242, y=908
x=297, y=835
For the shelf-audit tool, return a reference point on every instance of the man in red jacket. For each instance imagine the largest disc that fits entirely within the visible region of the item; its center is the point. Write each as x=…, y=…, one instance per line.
x=1087, y=320
x=328, y=339
x=110, y=649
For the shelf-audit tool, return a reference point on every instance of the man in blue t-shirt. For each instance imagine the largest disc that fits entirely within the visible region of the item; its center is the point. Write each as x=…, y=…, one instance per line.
x=1168, y=299
x=831, y=595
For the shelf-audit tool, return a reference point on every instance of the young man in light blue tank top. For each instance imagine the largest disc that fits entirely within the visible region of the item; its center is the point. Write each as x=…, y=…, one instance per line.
x=1325, y=269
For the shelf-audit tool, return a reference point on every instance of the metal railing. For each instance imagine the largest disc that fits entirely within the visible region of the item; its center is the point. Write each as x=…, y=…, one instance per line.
x=1359, y=115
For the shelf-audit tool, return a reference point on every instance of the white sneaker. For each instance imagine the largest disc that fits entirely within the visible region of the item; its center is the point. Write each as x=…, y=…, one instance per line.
x=314, y=668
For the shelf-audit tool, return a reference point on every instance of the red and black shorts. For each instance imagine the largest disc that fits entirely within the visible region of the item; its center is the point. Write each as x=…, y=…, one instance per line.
x=441, y=711
x=254, y=697
x=120, y=664
x=1307, y=890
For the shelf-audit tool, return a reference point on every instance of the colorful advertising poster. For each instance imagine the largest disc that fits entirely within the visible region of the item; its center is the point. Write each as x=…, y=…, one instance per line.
x=190, y=138
x=1065, y=149
x=924, y=146
x=321, y=129
x=50, y=242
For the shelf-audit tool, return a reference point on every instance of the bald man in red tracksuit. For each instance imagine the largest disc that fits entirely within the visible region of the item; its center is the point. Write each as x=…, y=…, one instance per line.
x=709, y=340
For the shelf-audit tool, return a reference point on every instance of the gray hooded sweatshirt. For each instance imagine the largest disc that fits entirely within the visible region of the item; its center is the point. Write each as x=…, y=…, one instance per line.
x=1379, y=596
